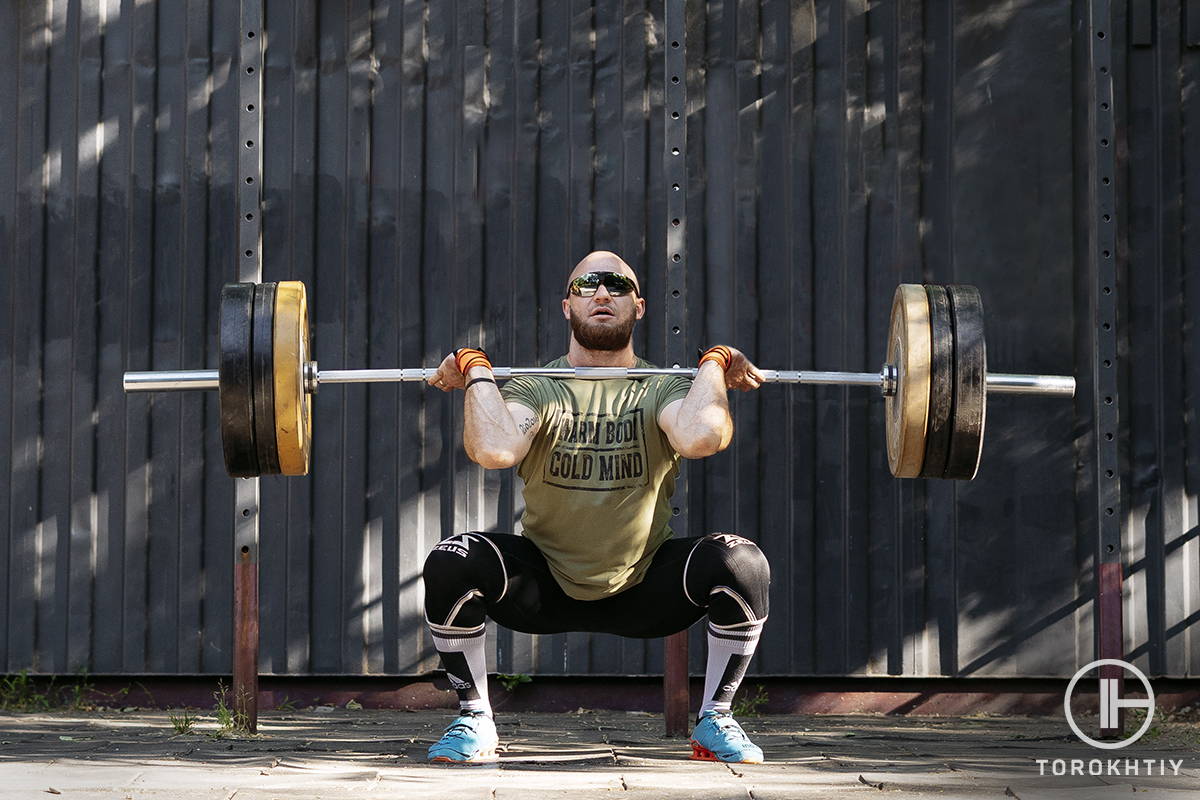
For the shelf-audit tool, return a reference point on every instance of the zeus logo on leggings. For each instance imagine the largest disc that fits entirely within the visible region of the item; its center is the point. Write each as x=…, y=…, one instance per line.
x=459, y=545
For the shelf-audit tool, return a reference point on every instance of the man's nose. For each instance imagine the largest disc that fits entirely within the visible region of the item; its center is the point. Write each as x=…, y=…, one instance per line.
x=602, y=292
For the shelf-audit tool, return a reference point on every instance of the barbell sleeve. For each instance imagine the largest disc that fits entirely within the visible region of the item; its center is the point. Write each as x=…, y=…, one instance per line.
x=171, y=381
x=1054, y=385
x=997, y=383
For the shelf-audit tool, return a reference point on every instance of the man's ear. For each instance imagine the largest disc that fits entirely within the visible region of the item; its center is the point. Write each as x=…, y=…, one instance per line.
x=566, y=305
x=639, y=308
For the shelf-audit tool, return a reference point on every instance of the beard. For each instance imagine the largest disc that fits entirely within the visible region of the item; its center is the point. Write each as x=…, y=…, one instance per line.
x=600, y=335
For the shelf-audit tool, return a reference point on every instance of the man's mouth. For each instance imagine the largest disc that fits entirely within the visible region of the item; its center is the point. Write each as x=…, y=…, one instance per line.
x=602, y=312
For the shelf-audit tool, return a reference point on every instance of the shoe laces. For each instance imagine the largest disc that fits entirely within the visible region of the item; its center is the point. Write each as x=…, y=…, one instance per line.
x=463, y=727
x=730, y=726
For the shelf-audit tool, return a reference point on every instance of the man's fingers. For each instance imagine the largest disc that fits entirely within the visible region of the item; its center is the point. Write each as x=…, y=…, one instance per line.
x=447, y=378
x=742, y=382
x=748, y=380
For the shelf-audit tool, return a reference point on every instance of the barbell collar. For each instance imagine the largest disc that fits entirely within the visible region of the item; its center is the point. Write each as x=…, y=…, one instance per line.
x=311, y=377
x=997, y=383
x=887, y=380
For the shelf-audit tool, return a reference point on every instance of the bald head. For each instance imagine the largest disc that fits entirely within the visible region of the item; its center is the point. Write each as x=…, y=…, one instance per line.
x=604, y=261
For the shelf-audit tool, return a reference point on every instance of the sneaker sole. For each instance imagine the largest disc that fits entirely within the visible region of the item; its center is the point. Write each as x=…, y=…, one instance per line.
x=702, y=753
x=482, y=758
x=488, y=756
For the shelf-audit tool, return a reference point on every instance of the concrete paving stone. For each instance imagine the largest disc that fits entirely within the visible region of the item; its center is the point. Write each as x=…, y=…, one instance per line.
x=873, y=779
x=860, y=792
x=697, y=777
x=767, y=785
x=666, y=753
x=125, y=794
x=546, y=780
x=865, y=793
x=554, y=758
x=33, y=779
x=330, y=793
x=1094, y=792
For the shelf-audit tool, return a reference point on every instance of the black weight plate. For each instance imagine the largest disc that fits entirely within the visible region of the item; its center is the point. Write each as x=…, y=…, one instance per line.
x=970, y=382
x=264, y=379
x=236, y=379
x=941, y=383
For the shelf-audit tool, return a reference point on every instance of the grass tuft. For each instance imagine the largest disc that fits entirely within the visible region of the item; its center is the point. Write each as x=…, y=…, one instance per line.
x=747, y=705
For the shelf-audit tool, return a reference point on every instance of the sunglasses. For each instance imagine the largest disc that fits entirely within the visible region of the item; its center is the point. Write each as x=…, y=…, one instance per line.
x=616, y=284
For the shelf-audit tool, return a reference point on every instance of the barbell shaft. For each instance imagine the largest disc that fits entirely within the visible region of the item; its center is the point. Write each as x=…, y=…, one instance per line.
x=997, y=383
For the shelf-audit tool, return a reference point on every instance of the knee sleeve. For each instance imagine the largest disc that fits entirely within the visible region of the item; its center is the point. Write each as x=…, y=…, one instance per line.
x=460, y=574
x=729, y=575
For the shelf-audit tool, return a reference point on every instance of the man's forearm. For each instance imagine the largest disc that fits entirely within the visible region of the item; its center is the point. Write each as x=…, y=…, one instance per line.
x=704, y=414
x=489, y=433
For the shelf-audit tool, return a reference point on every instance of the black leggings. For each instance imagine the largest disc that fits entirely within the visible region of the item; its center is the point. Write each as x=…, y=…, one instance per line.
x=505, y=577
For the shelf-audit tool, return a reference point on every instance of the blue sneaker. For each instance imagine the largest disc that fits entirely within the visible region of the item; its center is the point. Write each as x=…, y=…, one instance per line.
x=470, y=739
x=718, y=737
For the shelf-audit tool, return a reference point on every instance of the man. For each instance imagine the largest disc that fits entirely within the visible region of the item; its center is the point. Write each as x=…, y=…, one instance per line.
x=599, y=460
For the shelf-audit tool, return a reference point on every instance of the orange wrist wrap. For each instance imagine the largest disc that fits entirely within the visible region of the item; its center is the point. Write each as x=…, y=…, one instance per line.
x=469, y=357
x=719, y=354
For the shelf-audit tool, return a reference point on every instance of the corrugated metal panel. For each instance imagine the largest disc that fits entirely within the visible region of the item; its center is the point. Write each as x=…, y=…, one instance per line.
x=1160, y=293
x=431, y=172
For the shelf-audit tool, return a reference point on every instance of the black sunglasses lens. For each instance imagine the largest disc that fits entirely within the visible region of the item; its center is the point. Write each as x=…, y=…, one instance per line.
x=617, y=284
x=585, y=285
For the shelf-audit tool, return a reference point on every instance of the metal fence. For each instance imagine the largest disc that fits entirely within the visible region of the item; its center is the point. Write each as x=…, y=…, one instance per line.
x=433, y=170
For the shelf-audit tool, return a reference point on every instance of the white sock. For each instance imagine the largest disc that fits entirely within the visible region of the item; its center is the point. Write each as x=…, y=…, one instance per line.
x=464, y=658
x=730, y=649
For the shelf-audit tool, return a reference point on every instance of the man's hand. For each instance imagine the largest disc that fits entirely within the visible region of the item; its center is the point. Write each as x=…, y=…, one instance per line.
x=699, y=424
x=742, y=374
x=448, y=378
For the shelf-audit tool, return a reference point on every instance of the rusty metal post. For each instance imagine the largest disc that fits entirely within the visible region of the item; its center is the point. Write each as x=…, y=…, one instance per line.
x=245, y=646
x=245, y=526
x=675, y=662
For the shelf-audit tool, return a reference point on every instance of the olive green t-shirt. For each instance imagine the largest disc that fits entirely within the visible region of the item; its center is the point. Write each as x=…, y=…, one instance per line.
x=598, y=476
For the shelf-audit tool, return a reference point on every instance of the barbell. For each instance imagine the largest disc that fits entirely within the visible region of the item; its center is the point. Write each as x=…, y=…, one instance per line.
x=935, y=380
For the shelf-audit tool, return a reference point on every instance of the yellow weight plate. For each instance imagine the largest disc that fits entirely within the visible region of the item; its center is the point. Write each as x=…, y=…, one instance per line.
x=293, y=408
x=909, y=351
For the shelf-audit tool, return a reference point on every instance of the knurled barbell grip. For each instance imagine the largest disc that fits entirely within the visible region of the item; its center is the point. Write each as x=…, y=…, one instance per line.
x=997, y=382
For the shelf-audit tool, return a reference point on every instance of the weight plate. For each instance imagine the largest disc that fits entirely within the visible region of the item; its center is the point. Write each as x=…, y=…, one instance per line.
x=236, y=380
x=264, y=379
x=908, y=350
x=970, y=383
x=293, y=405
x=941, y=383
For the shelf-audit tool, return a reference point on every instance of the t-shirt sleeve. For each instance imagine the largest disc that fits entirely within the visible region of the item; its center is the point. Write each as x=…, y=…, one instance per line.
x=670, y=389
x=523, y=390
